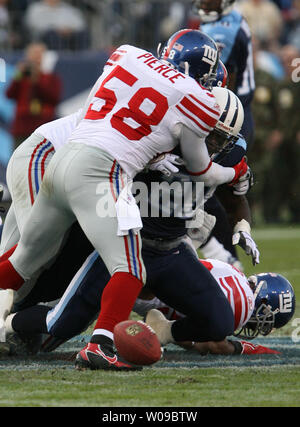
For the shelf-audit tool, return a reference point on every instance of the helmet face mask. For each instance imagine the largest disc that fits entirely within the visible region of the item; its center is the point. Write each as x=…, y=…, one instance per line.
x=260, y=323
x=218, y=141
x=226, y=132
x=274, y=306
x=219, y=78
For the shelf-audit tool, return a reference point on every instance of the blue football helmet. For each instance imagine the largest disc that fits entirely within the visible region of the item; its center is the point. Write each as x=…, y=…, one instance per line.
x=274, y=305
x=220, y=78
x=221, y=75
x=192, y=52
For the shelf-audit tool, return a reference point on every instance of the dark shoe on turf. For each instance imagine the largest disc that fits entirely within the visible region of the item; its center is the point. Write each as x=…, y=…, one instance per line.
x=25, y=343
x=100, y=356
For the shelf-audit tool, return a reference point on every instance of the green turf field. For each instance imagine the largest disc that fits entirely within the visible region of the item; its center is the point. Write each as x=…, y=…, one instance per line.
x=181, y=379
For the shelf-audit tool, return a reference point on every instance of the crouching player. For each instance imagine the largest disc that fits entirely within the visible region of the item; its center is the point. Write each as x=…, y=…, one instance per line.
x=260, y=303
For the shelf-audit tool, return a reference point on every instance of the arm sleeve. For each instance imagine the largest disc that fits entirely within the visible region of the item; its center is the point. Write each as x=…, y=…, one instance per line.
x=198, y=162
x=198, y=112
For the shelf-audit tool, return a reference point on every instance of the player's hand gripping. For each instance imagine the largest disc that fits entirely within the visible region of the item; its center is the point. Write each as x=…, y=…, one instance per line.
x=166, y=163
x=244, y=184
x=241, y=170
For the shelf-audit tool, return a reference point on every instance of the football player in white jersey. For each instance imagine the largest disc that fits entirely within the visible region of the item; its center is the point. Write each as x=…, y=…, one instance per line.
x=140, y=107
x=26, y=169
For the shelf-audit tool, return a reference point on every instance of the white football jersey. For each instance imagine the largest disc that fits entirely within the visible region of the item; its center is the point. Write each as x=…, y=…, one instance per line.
x=233, y=283
x=59, y=131
x=138, y=106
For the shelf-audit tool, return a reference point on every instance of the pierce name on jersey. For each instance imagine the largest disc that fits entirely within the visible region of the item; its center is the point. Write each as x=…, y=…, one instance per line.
x=138, y=106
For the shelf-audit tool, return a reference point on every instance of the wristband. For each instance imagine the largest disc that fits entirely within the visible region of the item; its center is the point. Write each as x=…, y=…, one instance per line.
x=242, y=225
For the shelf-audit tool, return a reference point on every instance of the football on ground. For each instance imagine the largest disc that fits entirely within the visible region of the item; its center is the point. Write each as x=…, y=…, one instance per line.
x=137, y=343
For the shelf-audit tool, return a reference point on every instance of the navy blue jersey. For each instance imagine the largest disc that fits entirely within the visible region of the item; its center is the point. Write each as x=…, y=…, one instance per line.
x=172, y=227
x=232, y=35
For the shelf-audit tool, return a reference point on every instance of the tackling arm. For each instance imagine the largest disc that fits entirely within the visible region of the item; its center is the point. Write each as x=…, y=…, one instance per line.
x=200, y=166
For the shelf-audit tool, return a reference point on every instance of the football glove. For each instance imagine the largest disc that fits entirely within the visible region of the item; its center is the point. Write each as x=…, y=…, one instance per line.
x=245, y=347
x=241, y=170
x=249, y=348
x=244, y=184
x=200, y=235
x=242, y=237
x=166, y=163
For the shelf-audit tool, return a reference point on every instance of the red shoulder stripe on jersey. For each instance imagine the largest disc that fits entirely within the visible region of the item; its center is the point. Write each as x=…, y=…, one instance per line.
x=212, y=110
x=237, y=300
x=202, y=172
x=199, y=112
x=206, y=264
x=206, y=130
x=245, y=299
x=226, y=290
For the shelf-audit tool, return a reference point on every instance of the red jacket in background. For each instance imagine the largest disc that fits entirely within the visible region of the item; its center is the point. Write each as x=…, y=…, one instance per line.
x=36, y=102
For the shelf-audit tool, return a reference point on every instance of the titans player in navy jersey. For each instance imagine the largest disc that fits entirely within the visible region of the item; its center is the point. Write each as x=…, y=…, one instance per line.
x=231, y=33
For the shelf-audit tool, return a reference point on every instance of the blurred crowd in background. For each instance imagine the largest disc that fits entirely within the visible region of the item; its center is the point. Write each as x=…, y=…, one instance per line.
x=90, y=25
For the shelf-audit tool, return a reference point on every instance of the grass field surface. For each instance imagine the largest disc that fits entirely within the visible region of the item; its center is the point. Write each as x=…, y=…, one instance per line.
x=181, y=379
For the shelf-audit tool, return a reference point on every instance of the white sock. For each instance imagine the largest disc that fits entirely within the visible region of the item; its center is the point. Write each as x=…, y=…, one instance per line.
x=8, y=324
x=104, y=332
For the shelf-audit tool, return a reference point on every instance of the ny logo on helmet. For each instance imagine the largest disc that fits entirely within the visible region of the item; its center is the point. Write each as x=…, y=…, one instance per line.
x=285, y=303
x=210, y=55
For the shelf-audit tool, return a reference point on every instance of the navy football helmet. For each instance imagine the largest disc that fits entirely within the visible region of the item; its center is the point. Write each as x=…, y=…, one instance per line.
x=192, y=52
x=274, y=305
x=212, y=10
x=221, y=75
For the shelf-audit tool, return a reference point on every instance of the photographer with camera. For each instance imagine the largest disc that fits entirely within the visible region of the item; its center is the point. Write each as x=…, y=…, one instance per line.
x=35, y=91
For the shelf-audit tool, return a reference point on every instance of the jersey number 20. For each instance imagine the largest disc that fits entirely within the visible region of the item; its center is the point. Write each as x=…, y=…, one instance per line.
x=133, y=111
